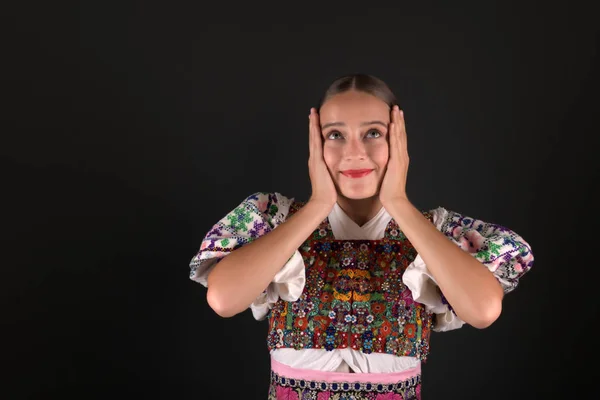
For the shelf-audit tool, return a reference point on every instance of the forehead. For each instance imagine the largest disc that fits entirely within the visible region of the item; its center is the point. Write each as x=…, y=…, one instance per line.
x=354, y=107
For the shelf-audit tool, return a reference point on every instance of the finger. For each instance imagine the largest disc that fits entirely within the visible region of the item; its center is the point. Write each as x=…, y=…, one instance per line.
x=402, y=139
x=401, y=122
x=311, y=133
x=315, y=133
x=392, y=140
x=393, y=132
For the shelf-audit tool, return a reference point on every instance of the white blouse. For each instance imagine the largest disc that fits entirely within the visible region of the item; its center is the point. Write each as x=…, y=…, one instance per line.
x=499, y=249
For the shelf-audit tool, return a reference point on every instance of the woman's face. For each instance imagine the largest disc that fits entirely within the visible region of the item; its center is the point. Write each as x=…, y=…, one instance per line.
x=354, y=126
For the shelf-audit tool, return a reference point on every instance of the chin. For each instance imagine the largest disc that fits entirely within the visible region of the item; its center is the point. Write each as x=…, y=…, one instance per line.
x=359, y=193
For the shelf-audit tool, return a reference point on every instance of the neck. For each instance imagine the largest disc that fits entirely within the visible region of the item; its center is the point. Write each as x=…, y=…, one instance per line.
x=360, y=211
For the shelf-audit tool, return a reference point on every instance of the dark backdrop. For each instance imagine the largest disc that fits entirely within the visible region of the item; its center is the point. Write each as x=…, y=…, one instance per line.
x=129, y=130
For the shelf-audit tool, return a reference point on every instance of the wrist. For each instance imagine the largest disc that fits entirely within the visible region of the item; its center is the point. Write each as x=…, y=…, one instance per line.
x=396, y=201
x=319, y=207
x=400, y=208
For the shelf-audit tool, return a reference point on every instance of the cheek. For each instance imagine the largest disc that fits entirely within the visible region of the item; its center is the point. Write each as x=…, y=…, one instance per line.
x=380, y=155
x=331, y=156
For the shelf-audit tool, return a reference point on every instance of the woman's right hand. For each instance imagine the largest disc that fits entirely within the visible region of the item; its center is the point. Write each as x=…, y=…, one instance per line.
x=324, y=191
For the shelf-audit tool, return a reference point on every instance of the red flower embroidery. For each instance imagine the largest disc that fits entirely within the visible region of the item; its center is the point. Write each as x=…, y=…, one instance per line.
x=410, y=330
x=301, y=323
x=385, y=329
x=326, y=297
x=377, y=308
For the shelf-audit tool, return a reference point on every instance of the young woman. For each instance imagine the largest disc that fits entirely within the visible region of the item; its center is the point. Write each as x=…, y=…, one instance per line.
x=354, y=280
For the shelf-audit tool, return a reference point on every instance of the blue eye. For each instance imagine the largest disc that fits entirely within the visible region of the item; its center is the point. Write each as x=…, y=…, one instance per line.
x=374, y=132
x=334, y=133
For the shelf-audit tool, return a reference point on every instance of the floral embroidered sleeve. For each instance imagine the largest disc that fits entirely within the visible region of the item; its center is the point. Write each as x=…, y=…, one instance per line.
x=507, y=255
x=257, y=215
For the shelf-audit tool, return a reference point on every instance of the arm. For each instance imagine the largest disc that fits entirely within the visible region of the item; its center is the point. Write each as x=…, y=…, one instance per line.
x=238, y=279
x=474, y=293
x=470, y=288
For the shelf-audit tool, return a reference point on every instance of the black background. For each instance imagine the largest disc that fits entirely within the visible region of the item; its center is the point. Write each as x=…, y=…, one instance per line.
x=130, y=129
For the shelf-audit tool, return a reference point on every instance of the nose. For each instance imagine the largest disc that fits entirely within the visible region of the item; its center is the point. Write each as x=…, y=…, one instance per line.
x=355, y=149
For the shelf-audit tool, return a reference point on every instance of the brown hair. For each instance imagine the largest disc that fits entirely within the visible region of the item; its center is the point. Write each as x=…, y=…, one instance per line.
x=362, y=83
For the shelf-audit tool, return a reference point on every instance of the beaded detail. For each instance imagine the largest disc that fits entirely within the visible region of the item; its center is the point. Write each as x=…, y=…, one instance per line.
x=282, y=387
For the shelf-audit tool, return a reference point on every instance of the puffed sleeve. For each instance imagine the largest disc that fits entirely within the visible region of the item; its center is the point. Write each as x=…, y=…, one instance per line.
x=503, y=252
x=257, y=215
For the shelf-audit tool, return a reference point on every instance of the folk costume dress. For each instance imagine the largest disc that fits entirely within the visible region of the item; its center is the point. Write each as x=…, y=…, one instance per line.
x=351, y=312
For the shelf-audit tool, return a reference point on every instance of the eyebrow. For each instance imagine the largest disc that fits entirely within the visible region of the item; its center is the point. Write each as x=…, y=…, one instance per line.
x=362, y=124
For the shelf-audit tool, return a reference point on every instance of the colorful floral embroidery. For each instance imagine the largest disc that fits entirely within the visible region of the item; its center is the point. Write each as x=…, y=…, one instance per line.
x=254, y=217
x=354, y=295
x=359, y=299
x=501, y=250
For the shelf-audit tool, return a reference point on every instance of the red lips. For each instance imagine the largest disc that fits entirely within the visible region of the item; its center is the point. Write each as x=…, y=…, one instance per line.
x=356, y=173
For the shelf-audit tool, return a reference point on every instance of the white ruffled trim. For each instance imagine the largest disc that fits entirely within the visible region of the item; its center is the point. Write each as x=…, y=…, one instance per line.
x=424, y=287
x=284, y=204
x=287, y=284
x=203, y=269
x=424, y=290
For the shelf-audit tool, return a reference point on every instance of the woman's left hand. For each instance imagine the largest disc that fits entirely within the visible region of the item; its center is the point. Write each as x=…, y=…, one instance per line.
x=393, y=186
